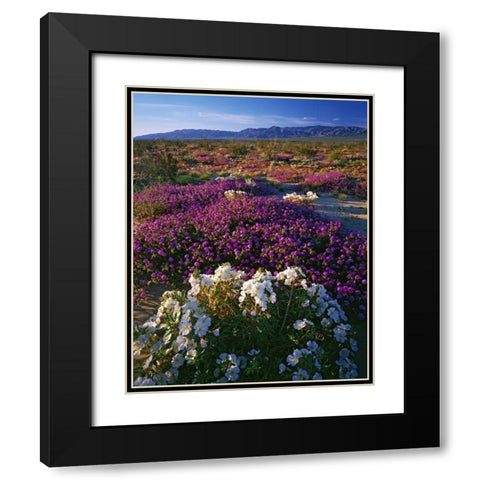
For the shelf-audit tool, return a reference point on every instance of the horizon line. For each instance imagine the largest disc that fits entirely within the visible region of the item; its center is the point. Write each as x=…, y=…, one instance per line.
x=250, y=128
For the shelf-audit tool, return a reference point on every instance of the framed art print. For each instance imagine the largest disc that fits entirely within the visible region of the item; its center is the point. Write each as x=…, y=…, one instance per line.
x=225, y=254
x=251, y=250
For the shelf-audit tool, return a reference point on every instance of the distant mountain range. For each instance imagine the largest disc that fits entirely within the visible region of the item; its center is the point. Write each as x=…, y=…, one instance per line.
x=258, y=133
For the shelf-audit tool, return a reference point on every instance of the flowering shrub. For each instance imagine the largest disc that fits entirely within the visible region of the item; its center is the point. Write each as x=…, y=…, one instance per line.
x=338, y=181
x=160, y=199
x=234, y=193
x=282, y=157
x=280, y=162
x=250, y=233
x=224, y=179
x=285, y=175
x=231, y=328
x=306, y=199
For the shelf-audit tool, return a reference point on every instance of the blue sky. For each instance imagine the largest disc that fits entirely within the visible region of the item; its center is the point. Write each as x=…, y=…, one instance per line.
x=164, y=112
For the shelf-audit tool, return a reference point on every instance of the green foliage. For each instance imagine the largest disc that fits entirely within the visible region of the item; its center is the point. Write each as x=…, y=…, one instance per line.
x=195, y=178
x=269, y=150
x=307, y=150
x=238, y=149
x=228, y=329
x=205, y=144
x=335, y=154
x=158, y=164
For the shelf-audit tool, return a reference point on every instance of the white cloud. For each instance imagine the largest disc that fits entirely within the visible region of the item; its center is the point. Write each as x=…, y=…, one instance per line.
x=262, y=120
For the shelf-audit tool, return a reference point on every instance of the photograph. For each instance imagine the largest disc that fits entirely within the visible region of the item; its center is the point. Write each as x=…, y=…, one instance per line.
x=249, y=243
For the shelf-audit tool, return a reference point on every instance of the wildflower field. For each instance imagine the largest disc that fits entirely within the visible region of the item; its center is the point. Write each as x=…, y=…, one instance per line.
x=257, y=285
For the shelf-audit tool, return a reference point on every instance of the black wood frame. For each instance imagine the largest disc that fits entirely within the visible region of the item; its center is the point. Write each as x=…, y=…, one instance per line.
x=68, y=42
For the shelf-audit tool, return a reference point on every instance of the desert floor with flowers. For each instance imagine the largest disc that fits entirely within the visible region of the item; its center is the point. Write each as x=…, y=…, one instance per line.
x=249, y=261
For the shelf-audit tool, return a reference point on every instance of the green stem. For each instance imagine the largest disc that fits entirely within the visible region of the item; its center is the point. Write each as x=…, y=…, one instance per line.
x=288, y=308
